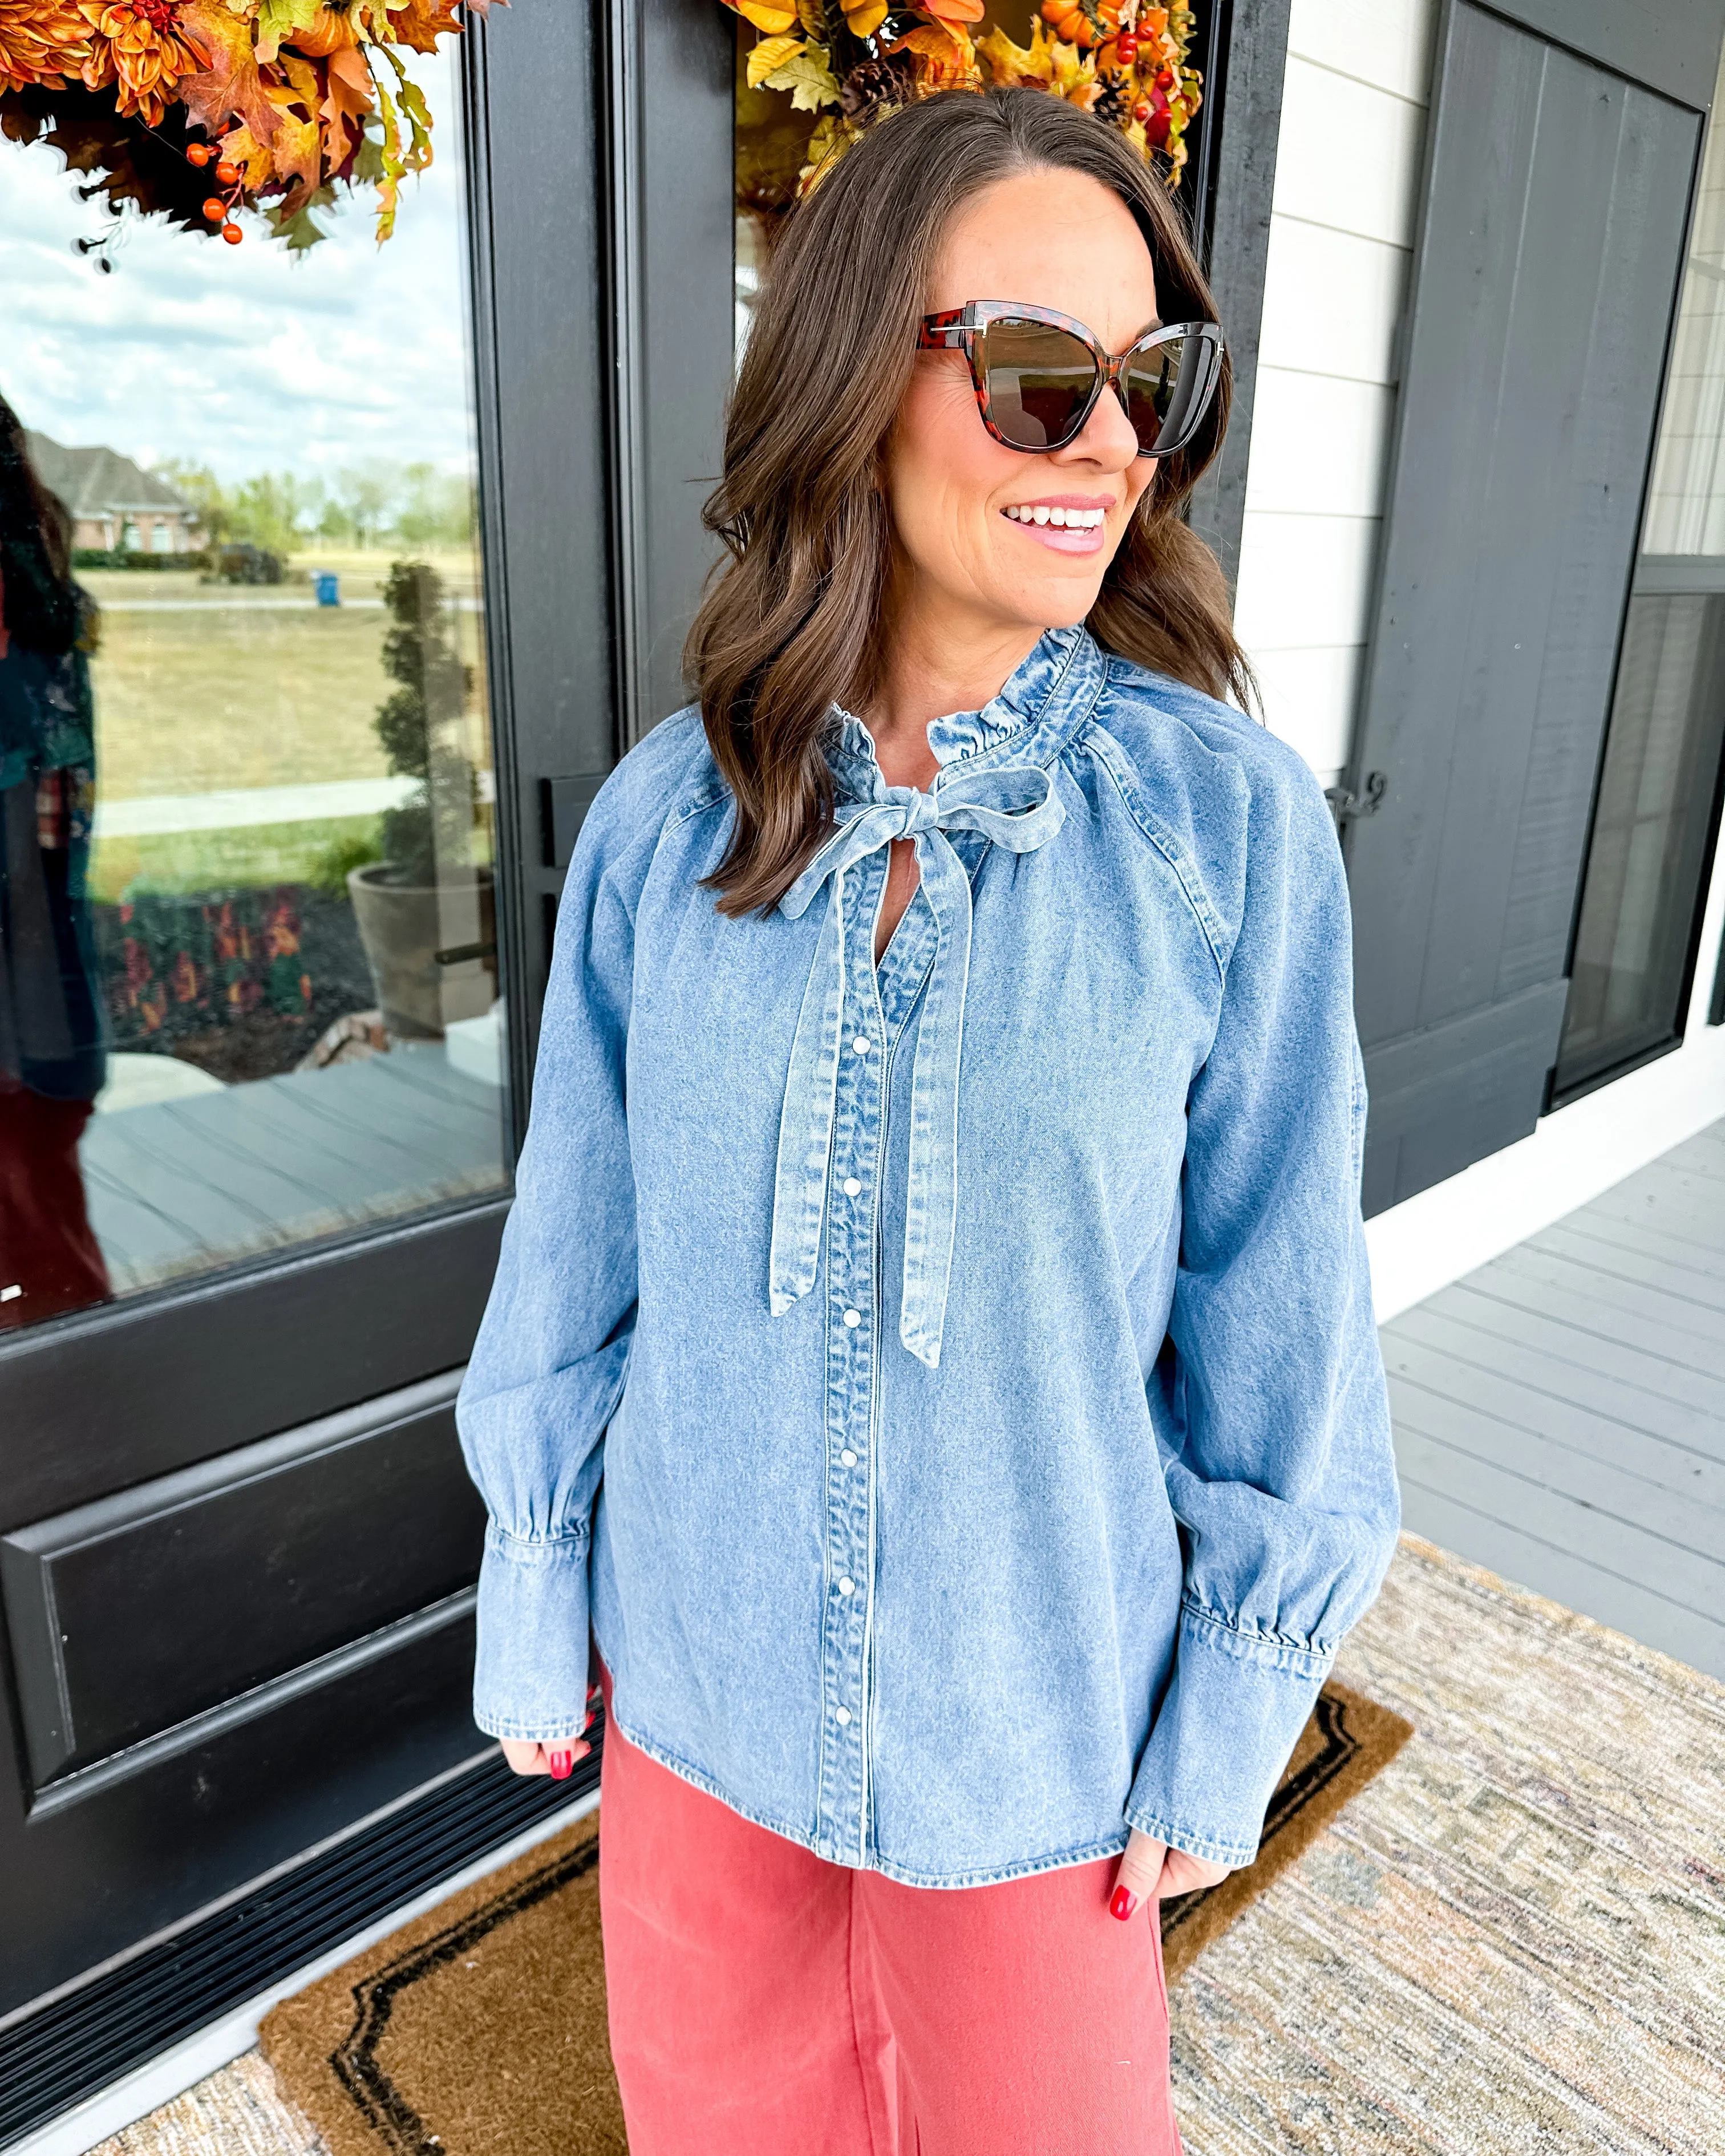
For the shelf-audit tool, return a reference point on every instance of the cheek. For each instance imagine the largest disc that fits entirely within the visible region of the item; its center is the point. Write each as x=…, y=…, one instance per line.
x=1140, y=476
x=943, y=467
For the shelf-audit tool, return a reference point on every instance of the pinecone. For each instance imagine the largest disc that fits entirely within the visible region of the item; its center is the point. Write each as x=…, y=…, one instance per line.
x=875, y=86
x=1110, y=103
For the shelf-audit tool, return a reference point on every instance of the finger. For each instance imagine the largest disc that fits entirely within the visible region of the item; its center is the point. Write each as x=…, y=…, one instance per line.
x=1186, y=1874
x=524, y=1757
x=560, y=1757
x=1134, y=1881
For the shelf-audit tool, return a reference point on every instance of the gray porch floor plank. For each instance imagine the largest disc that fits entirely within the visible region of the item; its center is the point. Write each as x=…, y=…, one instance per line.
x=185, y=1186
x=1605, y=1513
x=1582, y=1387
x=1627, y=1257
x=1570, y=1338
x=1620, y=1309
x=1444, y=1399
x=1475, y=1532
x=1560, y=1414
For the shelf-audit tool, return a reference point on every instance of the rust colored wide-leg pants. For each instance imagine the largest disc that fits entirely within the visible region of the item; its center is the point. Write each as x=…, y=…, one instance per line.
x=764, y=2002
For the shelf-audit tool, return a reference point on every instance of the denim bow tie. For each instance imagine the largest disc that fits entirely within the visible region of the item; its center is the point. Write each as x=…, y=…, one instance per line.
x=1014, y=806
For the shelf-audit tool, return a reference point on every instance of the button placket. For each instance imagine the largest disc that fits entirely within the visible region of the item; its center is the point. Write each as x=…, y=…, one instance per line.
x=852, y=1328
x=879, y=1007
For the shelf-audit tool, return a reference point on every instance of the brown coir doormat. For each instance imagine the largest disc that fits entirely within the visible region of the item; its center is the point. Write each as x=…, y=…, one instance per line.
x=480, y=2030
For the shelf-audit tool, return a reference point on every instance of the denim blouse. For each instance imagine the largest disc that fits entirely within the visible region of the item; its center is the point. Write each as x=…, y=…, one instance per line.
x=948, y=1390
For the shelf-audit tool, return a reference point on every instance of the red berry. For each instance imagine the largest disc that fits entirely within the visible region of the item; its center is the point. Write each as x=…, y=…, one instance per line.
x=198, y=153
x=1126, y=48
x=1164, y=78
x=215, y=209
x=1141, y=112
x=227, y=175
x=232, y=234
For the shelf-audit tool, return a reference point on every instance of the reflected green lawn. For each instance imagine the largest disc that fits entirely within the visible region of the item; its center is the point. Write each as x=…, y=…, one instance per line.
x=214, y=690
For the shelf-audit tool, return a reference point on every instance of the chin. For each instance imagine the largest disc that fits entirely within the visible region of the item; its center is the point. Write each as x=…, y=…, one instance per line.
x=1056, y=604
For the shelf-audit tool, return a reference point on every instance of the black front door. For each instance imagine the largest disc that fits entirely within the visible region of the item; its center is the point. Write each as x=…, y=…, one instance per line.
x=253, y=1201
x=385, y=565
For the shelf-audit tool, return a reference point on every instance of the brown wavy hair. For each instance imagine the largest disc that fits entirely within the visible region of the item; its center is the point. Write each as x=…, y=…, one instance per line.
x=792, y=622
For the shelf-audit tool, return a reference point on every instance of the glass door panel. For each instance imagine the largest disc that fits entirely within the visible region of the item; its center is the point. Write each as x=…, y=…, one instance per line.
x=249, y=980
x=1656, y=820
x=1652, y=827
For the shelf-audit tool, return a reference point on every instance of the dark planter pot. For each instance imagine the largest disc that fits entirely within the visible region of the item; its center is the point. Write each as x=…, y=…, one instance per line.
x=404, y=927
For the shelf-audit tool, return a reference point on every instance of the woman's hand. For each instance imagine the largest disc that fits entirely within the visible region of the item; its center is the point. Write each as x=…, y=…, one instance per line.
x=557, y=1759
x=1150, y=1869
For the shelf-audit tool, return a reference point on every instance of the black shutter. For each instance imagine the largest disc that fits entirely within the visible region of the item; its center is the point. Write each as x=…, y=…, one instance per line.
x=1557, y=199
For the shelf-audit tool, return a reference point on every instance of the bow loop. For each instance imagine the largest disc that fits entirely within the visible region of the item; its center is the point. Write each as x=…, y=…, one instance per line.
x=1013, y=806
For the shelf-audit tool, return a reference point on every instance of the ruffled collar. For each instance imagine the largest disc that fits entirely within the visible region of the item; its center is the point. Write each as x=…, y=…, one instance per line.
x=1040, y=705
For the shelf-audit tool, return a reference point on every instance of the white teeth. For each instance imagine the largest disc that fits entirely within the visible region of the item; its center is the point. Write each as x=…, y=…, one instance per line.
x=1073, y=519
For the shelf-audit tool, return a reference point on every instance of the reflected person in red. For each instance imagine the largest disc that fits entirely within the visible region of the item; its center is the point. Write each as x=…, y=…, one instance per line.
x=52, y=1064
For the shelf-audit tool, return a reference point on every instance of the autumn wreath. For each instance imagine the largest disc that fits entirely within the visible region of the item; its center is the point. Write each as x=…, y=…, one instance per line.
x=198, y=107
x=844, y=64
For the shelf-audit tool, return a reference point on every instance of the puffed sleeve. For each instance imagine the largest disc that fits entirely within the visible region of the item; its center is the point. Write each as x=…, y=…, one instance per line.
x=1269, y=1397
x=547, y=1369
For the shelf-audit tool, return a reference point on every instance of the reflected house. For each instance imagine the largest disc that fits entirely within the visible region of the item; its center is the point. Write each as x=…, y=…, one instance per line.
x=114, y=503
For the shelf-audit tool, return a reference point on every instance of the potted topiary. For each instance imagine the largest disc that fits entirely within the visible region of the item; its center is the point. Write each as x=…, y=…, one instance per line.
x=426, y=915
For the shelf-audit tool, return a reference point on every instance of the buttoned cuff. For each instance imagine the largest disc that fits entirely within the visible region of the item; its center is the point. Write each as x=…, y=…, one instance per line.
x=529, y=1673
x=1229, y=1719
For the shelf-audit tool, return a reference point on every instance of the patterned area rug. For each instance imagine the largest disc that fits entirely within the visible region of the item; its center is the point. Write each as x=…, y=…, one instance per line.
x=1510, y=1944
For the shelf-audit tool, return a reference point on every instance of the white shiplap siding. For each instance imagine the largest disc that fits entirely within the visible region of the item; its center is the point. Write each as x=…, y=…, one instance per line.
x=1340, y=238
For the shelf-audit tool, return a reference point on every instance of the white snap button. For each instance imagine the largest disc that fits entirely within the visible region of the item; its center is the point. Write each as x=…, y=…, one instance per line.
x=848, y=1458
x=842, y=1716
x=853, y=1188
x=853, y=1317
x=847, y=1587
x=861, y=1045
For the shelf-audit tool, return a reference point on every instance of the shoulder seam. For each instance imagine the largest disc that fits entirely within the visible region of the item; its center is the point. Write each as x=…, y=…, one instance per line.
x=714, y=791
x=1109, y=754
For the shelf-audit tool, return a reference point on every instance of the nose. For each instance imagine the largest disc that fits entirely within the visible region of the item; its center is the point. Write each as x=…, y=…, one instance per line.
x=1108, y=439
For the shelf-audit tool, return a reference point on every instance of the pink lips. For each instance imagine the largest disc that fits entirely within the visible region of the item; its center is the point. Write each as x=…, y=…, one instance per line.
x=1062, y=538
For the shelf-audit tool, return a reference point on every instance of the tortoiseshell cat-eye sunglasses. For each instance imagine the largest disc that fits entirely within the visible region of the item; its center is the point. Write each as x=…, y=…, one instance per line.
x=1038, y=374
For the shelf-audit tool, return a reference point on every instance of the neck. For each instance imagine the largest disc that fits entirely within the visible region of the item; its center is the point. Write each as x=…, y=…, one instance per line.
x=936, y=661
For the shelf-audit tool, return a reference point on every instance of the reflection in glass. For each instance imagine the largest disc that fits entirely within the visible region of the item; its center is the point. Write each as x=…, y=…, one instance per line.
x=283, y=876
x=1650, y=830
x=1655, y=817
x=52, y=1067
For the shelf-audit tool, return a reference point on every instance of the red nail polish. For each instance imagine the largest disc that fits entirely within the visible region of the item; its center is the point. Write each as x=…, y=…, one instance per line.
x=1123, y=1904
x=563, y=1765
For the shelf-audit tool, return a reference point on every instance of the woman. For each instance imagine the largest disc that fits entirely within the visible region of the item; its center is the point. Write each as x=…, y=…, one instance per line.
x=52, y=1063
x=939, y=1223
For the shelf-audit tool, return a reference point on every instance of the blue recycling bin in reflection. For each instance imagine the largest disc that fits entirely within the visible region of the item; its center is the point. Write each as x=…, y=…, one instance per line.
x=329, y=587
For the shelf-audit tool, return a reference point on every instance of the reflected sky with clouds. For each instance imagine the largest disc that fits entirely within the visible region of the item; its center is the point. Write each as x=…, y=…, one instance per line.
x=244, y=358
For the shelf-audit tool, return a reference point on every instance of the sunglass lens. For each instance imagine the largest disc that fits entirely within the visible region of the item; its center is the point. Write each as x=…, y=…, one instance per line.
x=1167, y=387
x=1040, y=382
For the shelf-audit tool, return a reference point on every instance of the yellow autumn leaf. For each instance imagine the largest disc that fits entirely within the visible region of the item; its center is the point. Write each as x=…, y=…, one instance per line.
x=241, y=148
x=831, y=134
x=1010, y=64
x=771, y=52
x=809, y=79
x=863, y=21
x=812, y=15
x=766, y=17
